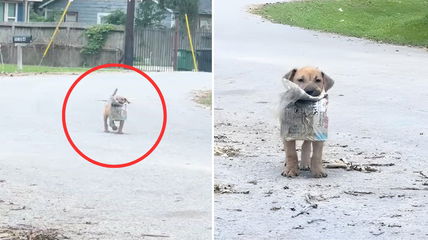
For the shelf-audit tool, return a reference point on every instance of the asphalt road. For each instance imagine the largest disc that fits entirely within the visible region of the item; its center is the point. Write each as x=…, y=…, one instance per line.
x=44, y=184
x=378, y=115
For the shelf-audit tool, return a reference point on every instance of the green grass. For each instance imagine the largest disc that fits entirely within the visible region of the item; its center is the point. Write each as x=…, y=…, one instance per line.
x=402, y=22
x=204, y=98
x=11, y=68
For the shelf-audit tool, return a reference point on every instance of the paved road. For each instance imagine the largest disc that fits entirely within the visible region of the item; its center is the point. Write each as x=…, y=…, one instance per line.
x=378, y=114
x=45, y=184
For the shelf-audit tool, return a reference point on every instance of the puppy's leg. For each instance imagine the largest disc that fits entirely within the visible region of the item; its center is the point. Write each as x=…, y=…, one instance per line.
x=317, y=169
x=112, y=125
x=105, y=117
x=105, y=124
x=305, y=157
x=291, y=168
x=121, y=123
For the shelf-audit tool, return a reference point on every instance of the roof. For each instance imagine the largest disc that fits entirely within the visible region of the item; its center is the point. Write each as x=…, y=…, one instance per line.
x=46, y=3
x=205, y=6
x=28, y=0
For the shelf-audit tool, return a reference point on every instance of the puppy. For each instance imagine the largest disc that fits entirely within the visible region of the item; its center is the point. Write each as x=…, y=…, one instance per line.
x=115, y=110
x=314, y=82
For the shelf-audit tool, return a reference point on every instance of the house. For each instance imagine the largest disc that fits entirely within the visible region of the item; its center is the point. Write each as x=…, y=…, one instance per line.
x=205, y=15
x=91, y=12
x=15, y=10
x=83, y=11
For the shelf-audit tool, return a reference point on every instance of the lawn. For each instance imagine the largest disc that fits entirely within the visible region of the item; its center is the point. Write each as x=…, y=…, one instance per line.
x=204, y=98
x=12, y=68
x=402, y=22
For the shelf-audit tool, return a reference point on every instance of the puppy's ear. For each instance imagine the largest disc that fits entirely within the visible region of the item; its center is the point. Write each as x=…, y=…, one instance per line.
x=328, y=82
x=290, y=74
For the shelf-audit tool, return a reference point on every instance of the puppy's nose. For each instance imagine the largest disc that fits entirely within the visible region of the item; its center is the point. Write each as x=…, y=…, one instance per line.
x=313, y=92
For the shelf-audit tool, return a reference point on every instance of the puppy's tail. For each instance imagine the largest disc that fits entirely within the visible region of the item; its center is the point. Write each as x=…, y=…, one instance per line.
x=114, y=93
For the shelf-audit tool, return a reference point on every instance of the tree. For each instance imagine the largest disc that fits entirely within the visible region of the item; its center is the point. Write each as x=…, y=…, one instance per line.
x=181, y=7
x=149, y=14
x=117, y=17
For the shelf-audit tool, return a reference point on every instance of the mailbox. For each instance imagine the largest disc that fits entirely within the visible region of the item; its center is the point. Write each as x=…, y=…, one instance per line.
x=22, y=39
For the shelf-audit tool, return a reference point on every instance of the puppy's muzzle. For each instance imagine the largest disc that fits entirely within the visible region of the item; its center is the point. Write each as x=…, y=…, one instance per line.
x=313, y=92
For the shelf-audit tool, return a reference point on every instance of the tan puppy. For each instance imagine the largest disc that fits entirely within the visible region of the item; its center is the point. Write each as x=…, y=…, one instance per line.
x=313, y=82
x=111, y=115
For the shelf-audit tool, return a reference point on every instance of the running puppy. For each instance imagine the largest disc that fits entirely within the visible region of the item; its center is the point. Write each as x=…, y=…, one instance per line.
x=305, y=118
x=115, y=110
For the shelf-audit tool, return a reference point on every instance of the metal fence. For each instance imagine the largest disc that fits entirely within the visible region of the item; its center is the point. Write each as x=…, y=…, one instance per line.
x=169, y=50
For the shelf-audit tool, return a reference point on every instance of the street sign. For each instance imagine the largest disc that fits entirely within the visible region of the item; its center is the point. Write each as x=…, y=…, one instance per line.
x=22, y=39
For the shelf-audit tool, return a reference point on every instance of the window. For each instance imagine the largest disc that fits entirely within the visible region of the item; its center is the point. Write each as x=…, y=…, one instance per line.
x=71, y=17
x=1, y=12
x=52, y=15
x=101, y=17
x=11, y=12
x=205, y=23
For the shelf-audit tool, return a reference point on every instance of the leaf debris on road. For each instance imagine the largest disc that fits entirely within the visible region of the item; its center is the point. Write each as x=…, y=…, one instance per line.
x=227, y=188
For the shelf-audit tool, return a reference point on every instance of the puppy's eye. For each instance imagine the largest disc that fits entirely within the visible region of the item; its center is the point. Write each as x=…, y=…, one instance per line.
x=317, y=80
x=300, y=80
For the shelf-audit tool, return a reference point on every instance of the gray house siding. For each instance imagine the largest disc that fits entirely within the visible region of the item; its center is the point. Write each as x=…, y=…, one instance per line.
x=88, y=10
x=205, y=7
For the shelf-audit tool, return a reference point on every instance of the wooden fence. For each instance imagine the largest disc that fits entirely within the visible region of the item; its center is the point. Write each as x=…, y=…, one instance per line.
x=154, y=49
x=66, y=48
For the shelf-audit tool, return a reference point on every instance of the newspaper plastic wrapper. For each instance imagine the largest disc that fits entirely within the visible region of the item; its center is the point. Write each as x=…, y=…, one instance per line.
x=302, y=116
x=118, y=112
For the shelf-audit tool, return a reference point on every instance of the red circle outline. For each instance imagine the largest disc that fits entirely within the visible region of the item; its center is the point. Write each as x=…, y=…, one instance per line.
x=154, y=146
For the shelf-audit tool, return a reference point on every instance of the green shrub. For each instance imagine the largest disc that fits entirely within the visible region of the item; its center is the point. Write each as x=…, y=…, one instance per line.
x=97, y=36
x=117, y=17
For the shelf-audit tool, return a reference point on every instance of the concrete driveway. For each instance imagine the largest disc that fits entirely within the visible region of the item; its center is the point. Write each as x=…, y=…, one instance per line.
x=378, y=116
x=44, y=184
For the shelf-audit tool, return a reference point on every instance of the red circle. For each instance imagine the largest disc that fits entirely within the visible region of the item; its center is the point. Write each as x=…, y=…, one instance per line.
x=161, y=133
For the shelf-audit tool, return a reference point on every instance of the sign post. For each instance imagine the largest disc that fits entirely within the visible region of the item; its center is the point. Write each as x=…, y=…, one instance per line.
x=21, y=41
x=19, y=56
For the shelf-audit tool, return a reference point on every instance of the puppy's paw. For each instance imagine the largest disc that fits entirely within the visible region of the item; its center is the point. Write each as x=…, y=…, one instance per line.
x=290, y=171
x=107, y=131
x=319, y=173
x=119, y=133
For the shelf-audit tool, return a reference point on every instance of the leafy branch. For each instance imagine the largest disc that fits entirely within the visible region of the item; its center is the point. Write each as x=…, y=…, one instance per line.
x=97, y=36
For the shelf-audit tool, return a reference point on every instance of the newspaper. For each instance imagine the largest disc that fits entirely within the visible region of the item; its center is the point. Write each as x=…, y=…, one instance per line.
x=303, y=117
x=118, y=112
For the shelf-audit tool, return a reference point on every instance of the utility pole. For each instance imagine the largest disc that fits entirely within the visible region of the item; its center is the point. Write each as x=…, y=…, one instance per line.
x=129, y=33
x=176, y=36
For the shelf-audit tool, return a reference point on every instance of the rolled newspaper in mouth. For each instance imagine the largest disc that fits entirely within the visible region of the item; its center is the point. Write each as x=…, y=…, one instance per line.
x=294, y=93
x=118, y=111
x=302, y=116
